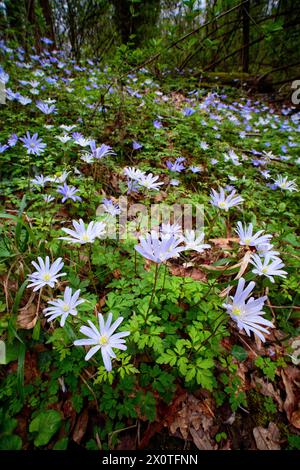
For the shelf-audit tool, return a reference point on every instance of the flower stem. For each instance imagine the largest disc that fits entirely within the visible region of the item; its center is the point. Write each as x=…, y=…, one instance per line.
x=201, y=343
x=154, y=288
x=164, y=279
x=135, y=263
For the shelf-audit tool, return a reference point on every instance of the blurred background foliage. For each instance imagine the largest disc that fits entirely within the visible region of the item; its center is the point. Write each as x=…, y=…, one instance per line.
x=253, y=37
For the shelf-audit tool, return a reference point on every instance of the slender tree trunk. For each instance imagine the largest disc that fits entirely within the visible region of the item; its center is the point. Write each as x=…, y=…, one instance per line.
x=246, y=36
x=31, y=18
x=47, y=12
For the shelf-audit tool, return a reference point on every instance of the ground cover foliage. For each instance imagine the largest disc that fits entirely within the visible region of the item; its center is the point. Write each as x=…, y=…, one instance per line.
x=195, y=364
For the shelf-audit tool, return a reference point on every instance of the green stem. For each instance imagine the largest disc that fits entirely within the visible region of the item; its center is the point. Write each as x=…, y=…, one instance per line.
x=208, y=235
x=215, y=329
x=198, y=345
x=91, y=276
x=154, y=288
x=135, y=263
x=206, y=294
x=164, y=279
x=227, y=225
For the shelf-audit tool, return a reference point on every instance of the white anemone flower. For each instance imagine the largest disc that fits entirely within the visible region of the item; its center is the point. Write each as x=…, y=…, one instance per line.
x=46, y=274
x=232, y=157
x=103, y=339
x=83, y=234
x=63, y=307
x=194, y=241
x=170, y=229
x=283, y=183
x=159, y=249
x=134, y=173
x=247, y=238
x=267, y=248
x=64, y=138
x=248, y=314
x=223, y=201
x=150, y=182
x=40, y=180
x=268, y=266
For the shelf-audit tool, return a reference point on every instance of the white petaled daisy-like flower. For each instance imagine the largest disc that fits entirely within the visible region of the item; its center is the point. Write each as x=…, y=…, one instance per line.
x=87, y=158
x=247, y=237
x=60, y=178
x=223, y=201
x=82, y=234
x=204, y=145
x=134, y=173
x=267, y=266
x=63, y=177
x=194, y=241
x=103, y=339
x=150, y=182
x=266, y=248
x=48, y=198
x=40, y=180
x=159, y=249
x=46, y=274
x=64, y=138
x=110, y=207
x=63, y=307
x=283, y=183
x=170, y=229
x=231, y=156
x=82, y=141
x=248, y=313
x=67, y=128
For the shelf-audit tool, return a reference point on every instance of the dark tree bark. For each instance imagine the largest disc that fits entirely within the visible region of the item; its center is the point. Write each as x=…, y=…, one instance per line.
x=135, y=19
x=47, y=12
x=31, y=19
x=246, y=36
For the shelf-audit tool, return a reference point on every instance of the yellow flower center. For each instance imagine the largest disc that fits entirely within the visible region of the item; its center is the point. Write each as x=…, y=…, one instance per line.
x=247, y=241
x=103, y=340
x=221, y=204
x=46, y=277
x=66, y=307
x=264, y=270
x=32, y=145
x=85, y=237
x=236, y=311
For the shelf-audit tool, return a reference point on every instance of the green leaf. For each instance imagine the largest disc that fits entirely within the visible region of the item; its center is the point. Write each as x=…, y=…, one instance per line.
x=45, y=424
x=190, y=374
x=10, y=443
x=20, y=370
x=205, y=363
x=62, y=444
x=239, y=353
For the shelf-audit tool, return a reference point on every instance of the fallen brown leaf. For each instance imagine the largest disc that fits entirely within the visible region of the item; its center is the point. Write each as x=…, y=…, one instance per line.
x=28, y=315
x=194, y=273
x=80, y=427
x=244, y=264
x=267, y=389
x=291, y=381
x=201, y=440
x=295, y=419
x=117, y=274
x=224, y=242
x=195, y=418
x=160, y=196
x=267, y=439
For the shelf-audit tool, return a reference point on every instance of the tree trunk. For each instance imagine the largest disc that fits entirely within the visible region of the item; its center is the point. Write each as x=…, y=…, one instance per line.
x=31, y=18
x=47, y=12
x=246, y=36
